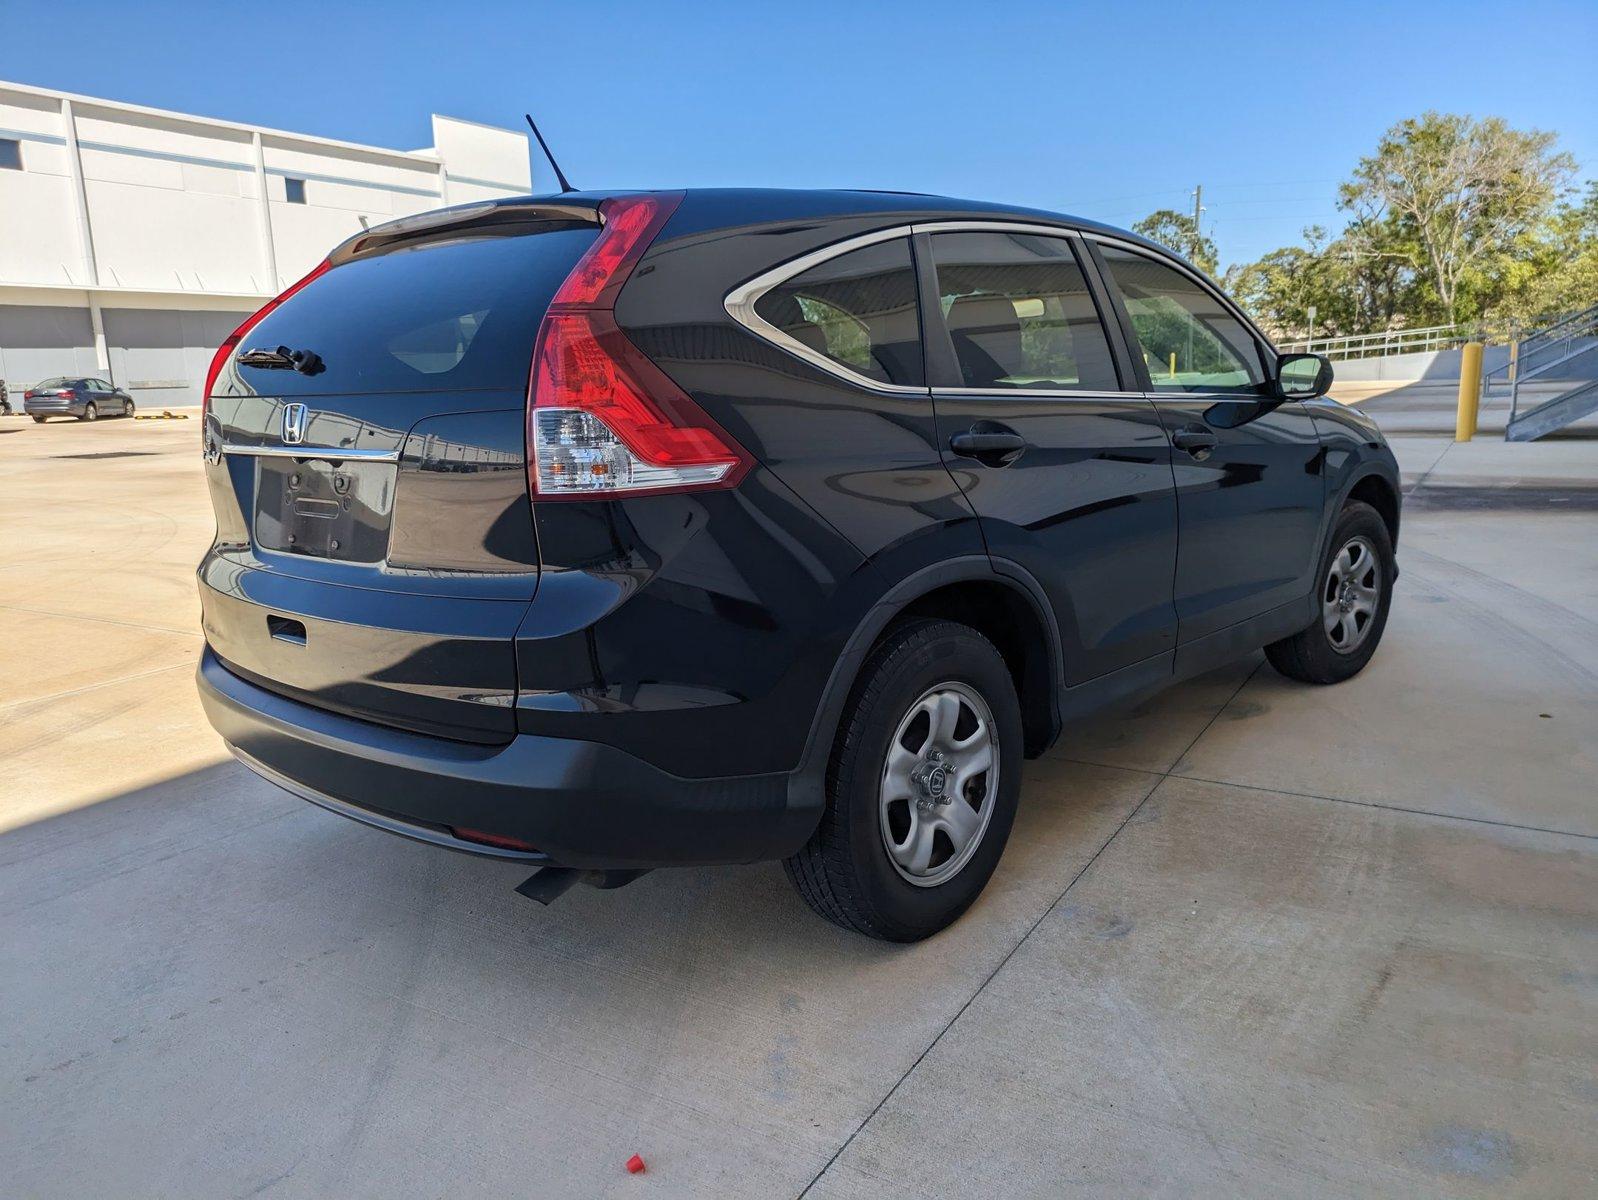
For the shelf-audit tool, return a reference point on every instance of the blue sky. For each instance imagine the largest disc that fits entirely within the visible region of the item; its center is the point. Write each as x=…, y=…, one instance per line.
x=1106, y=110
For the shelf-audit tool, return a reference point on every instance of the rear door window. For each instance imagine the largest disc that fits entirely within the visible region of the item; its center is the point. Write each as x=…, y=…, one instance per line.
x=1020, y=315
x=457, y=314
x=1189, y=339
x=857, y=312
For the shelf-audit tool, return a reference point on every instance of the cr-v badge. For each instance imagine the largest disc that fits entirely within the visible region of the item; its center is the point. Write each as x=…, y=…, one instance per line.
x=294, y=417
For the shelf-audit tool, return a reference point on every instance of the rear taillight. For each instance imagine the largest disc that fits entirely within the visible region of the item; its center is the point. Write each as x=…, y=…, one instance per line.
x=231, y=342
x=602, y=419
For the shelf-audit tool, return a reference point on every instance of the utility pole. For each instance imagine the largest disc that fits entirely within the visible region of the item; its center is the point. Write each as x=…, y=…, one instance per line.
x=1198, y=212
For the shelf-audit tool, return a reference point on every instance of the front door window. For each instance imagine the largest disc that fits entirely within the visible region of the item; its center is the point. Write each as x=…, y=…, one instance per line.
x=1189, y=340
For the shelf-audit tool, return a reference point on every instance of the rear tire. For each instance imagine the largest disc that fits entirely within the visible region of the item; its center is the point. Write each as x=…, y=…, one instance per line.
x=922, y=787
x=1355, y=591
x=38, y=420
x=90, y=412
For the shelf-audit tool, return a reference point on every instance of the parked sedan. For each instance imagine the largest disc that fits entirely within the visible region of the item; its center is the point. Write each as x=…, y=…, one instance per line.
x=87, y=399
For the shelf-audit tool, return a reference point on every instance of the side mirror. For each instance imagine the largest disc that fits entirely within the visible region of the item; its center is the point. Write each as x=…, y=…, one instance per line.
x=1302, y=376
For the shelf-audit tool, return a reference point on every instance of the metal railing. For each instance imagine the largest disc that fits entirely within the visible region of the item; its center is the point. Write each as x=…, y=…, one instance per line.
x=1542, y=351
x=1377, y=345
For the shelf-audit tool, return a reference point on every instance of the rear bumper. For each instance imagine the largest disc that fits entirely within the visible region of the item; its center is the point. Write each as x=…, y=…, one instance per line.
x=582, y=804
x=52, y=408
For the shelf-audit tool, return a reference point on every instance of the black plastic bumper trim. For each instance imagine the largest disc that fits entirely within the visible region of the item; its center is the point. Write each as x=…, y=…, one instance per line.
x=583, y=804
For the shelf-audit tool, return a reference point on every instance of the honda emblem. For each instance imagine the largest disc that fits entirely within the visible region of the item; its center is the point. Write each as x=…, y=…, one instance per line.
x=294, y=417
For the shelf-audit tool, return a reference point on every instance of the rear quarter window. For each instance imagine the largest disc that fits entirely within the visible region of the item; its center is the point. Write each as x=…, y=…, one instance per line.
x=457, y=314
x=857, y=311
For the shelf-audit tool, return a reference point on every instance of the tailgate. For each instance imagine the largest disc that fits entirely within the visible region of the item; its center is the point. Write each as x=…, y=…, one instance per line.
x=375, y=547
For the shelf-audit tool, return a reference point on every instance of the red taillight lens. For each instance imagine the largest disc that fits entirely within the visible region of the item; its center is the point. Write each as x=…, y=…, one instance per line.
x=631, y=223
x=231, y=342
x=602, y=419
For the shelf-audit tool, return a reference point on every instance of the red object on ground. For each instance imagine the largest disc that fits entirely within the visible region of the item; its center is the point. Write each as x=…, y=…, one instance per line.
x=635, y=1165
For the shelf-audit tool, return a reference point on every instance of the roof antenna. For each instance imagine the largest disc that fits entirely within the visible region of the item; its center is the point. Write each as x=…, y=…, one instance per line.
x=559, y=174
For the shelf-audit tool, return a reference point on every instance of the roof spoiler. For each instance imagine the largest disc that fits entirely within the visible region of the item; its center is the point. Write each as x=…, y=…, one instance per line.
x=485, y=217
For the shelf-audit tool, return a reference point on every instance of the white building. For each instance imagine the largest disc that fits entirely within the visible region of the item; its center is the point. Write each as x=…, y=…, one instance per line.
x=133, y=240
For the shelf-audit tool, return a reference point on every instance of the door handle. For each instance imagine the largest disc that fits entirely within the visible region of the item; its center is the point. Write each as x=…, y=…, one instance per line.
x=990, y=445
x=1197, y=442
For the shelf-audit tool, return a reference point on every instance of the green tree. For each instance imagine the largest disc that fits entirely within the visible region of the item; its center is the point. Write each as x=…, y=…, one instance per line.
x=1178, y=232
x=1556, y=271
x=1464, y=192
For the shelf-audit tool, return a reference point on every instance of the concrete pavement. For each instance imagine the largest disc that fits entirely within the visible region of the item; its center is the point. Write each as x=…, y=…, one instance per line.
x=1249, y=938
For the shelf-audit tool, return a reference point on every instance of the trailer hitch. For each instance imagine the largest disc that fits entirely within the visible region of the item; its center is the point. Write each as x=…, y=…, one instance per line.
x=548, y=884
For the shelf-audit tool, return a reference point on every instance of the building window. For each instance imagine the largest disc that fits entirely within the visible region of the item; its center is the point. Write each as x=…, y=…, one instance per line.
x=10, y=154
x=295, y=188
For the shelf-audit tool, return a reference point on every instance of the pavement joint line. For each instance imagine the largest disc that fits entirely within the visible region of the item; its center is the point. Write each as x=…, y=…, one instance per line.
x=71, y=616
x=1277, y=791
x=1025, y=937
x=11, y=705
x=1427, y=473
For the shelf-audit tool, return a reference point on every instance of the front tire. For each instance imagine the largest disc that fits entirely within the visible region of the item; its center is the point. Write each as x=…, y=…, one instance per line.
x=922, y=787
x=1356, y=590
x=127, y=408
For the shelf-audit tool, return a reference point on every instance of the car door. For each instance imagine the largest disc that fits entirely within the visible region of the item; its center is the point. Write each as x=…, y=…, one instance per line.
x=1248, y=469
x=1064, y=461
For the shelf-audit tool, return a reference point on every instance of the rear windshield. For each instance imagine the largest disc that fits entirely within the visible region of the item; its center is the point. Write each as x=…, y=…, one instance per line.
x=457, y=314
x=56, y=383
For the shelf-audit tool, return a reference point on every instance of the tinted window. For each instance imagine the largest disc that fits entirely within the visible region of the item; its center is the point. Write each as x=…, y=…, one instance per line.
x=10, y=154
x=857, y=310
x=294, y=190
x=1020, y=314
x=1189, y=340
x=458, y=313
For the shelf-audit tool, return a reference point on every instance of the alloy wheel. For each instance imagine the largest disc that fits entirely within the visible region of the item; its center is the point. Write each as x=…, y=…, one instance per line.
x=1351, y=595
x=939, y=784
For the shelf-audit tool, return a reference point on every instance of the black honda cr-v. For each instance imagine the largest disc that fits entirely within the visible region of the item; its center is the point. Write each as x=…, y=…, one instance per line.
x=610, y=532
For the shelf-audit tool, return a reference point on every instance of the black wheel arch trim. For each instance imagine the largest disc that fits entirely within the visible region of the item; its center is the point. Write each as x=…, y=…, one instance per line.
x=806, y=786
x=1365, y=470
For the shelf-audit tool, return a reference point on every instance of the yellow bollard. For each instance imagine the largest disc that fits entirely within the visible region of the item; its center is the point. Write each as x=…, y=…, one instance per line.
x=1469, y=391
x=1173, y=364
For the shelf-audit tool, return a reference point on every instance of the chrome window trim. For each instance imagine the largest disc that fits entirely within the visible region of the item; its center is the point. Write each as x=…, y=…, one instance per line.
x=740, y=302
x=327, y=453
x=1040, y=393
x=998, y=226
x=740, y=305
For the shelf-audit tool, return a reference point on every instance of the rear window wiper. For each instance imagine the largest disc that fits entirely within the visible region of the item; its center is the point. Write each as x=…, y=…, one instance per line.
x=306, y=362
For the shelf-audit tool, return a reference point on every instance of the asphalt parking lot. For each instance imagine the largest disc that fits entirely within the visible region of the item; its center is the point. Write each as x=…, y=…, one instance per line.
x=1250, y=938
